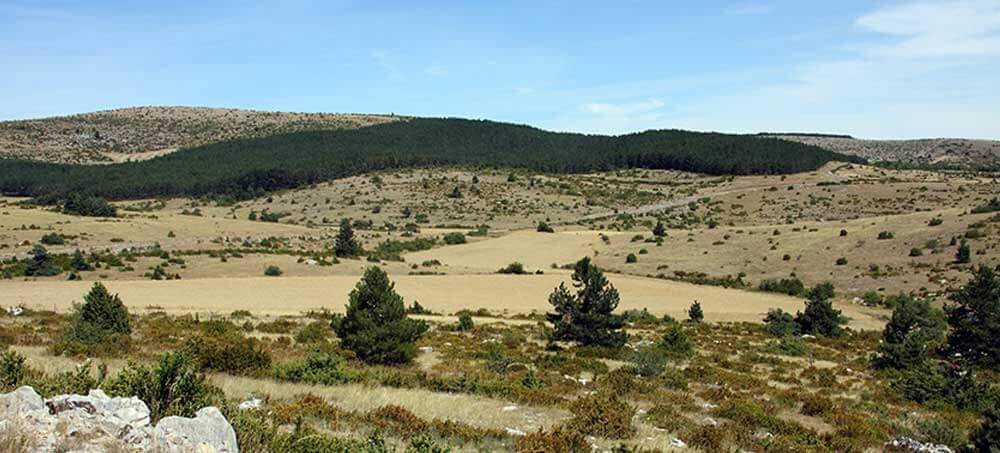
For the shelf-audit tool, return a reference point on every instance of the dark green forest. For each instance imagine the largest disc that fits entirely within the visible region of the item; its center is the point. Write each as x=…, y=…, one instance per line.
x=252, y=167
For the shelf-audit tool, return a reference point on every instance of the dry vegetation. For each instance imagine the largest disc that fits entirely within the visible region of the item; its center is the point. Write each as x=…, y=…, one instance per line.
x=923, y=151
x=144, y=132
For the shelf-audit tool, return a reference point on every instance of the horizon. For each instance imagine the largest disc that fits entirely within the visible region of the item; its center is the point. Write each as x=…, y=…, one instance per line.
x=890, y=70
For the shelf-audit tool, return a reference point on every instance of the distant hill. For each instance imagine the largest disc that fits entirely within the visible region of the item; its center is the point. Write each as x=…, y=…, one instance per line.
x=249, y=167
x=141, y=132
x=942, y=151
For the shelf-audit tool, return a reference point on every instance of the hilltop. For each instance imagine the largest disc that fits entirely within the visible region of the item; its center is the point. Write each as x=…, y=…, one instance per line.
x=138, y=133
x=940, y=151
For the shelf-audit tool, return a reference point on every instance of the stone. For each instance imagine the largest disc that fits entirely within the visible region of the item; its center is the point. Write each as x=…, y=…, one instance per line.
x=908, y=444
x=21, y=401
x=251, y=404
x=208, y=431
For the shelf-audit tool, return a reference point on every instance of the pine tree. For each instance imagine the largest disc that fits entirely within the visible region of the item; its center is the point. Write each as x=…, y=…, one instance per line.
x=964, y=254
x=40, y=264
x=975, y=319
x=659, y=230
x=915, y=330
x=694, y=312
x=819, y=316
x=101, y=315
x=375, y=326
x=587, y=317
x=347, y=245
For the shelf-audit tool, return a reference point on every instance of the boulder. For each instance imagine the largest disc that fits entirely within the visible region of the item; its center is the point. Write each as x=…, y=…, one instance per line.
x=208, y=431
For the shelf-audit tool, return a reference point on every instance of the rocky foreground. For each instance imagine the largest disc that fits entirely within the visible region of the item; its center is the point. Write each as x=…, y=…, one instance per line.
x=99, y=423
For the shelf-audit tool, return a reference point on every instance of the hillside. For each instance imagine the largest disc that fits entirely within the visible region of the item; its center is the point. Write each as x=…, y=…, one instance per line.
x=246, y=168
x=136, y=133
x=943, y=151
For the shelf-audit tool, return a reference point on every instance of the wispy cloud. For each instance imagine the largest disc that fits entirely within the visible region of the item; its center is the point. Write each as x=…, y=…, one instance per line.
x=940, y=29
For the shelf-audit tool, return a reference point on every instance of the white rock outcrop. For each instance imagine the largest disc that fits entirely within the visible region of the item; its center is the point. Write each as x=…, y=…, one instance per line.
x=96, y=423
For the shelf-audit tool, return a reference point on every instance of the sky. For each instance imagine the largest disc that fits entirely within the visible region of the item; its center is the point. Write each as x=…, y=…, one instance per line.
x=872, y=69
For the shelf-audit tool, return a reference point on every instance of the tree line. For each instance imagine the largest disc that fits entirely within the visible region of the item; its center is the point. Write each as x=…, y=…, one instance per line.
x=251, y=167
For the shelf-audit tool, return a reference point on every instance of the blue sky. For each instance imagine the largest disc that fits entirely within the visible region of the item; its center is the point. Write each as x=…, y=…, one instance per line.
x=879, y=69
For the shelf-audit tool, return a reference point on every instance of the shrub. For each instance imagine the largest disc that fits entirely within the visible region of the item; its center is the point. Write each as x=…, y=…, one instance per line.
x=675, y=342
x=314, y=332
x=602, y=415
x=558, y=440
x=102, y=318
x=695, y=313
x=791, y=286
x=13, y=371
x=647, y=361
x=40, y=263
x=173, y=387
x=273, y=271
x=916, y=251
x=544, y=228
x=780, y=323
x=631, y=258
x=87, y=205
x=53, y=239
x=935, y=222
x=883, y=235
x=987, y=437
x=454, y=238
x=465, y=321
x=228, y=352
x=975, y=319
x=841, y=261
x=659, y=230
x=323, y=368
x=788, y=345
x=586, y=317
x=513, y=268
x=376, y=327
x=346, y=245
x=914, y=332
x=871, y=299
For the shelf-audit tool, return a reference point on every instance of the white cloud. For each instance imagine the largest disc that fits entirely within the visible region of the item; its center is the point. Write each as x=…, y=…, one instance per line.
x=941, y=29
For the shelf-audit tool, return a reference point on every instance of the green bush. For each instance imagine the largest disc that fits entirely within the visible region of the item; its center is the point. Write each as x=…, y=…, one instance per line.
x=780, y=323
x=975, y=319
x=40, y=263
x=324, y=368
x=557, y=440
x=346, y=245
x=602, y=415
x=375, y=326
x=791, y=286
x=273, y=271
x=647, y=361
x=454, y=238
x=172, y=387
x=465, y=323
x=513, y=268
x=819, y=316
x=228, y=352
x=587, y=317
x=14, y=371
x=631, y=258
x=544, y=228
x=53, y=239
x=675, y=342
x=314, y=332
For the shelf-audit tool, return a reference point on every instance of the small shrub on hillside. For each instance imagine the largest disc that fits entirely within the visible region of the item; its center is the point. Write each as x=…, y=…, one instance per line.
x=647, y=361
x=323, y=368
x=675, y=342
x=173, y=386
x=454, y=238
x=544, y=228
x=87, y=205
x=314, y=332
x=465, y=323
x=788, y=345
x=631, y=258
x=557, y=440
x=53, y=239
x=602, y=415
x=780, y=323
x=513, y=268
x=884, y=235
x=40, y=263
x=14, y=371
x=273, y=271
x=375, y=326
x=964, y=254
x=791, y=286
x=229, y=352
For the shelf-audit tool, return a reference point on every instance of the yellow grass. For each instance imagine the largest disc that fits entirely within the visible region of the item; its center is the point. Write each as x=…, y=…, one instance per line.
x=445, y=293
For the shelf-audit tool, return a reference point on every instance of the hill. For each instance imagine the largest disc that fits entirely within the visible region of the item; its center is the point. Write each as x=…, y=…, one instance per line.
x=929, y=151
x=250, y=167
x=141, y=132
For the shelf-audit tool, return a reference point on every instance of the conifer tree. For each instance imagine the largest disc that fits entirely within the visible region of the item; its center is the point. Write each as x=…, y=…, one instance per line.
x=587, y=317
x=375, y=326
x=346, y=245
